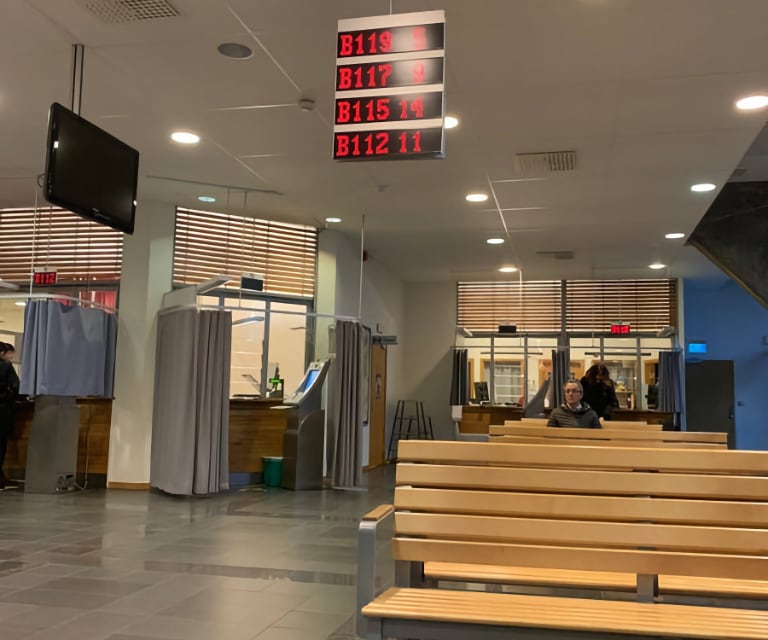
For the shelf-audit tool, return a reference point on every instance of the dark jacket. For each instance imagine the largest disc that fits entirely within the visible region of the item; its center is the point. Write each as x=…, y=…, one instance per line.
x=601, y=397
x=9, y=384
x=564, y=416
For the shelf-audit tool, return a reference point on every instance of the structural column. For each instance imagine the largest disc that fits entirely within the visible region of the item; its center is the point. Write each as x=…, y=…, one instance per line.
x=146, y=276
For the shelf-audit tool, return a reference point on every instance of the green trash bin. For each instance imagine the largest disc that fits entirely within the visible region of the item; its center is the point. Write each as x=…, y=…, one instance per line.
x=273, y=470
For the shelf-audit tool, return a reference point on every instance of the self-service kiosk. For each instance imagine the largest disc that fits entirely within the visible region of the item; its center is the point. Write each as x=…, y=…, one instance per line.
x=305, y=435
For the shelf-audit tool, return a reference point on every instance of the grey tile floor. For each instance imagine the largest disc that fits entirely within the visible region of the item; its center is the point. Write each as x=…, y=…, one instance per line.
x=122, y=565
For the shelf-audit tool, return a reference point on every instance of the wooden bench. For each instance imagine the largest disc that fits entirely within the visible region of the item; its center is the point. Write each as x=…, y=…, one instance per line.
x=697, y=515
x=607, y=437
x=606, y=424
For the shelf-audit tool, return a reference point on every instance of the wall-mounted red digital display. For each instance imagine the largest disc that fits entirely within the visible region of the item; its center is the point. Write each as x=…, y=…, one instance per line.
x=384, y=75
x=386, y=144
x=43, y=278
x=401, y=107
x=375, y=42
x=620, y=329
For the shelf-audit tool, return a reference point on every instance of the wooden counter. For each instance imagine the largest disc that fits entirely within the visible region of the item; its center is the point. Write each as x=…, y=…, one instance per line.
x=477, y=419
x=92, y=448
x=255, y=430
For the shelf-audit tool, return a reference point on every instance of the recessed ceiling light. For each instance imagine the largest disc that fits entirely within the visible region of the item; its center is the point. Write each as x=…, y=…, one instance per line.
x=495, y=240
x=674, y=236
x=234, y=50
x=752, y=102
x=206, y=199
x=508, y=269
x=703, y=187
x=333, y=220
x=477, y=197
x=21, y=303
x=185, y=137
x=657, y=265
x=451, y=122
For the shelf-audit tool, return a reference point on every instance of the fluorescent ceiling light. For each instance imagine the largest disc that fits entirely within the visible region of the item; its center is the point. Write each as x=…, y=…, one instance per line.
x=206, y=199
x=508, y=269
x=333, y=220
x=674, y=236
x=185, y=137
x=21, y=303
x=451, y=122
x=495, y=240
x=752, y=102
x=657, y=265
x=703, y=187
x=477, y=197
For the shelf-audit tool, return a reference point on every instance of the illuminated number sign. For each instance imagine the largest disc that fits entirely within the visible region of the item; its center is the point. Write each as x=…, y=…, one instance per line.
x=43, y=278
x=390, y=87
x=620, y=329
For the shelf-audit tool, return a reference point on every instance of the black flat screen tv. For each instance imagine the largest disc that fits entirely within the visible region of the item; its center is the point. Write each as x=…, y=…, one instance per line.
x=89, y=171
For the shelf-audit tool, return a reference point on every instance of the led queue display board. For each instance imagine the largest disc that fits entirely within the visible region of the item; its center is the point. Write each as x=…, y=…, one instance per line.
x=620, y=329
x=43, y=278
x=390, y=87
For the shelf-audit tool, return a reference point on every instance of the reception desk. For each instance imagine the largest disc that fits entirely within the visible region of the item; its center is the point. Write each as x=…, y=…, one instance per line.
x=255, y=431
x=478, y=418
x=93, y=441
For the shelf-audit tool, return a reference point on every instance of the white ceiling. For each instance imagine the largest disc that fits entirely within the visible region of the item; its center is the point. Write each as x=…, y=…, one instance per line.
x=642, y=90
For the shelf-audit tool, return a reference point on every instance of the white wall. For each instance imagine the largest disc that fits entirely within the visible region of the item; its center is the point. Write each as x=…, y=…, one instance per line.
x=146, y=276
x=384, y=313
x=430, y=329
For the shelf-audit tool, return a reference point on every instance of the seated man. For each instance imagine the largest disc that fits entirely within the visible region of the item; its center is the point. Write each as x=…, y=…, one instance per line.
x=574, y=412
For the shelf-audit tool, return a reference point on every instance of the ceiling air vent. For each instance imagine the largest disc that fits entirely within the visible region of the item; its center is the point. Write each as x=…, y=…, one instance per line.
x=126, y=11
x=545, y=162
x=557, y=255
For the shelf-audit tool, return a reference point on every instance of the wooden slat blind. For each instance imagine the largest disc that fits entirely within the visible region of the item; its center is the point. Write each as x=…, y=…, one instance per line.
x=648, y=305
x=532, y=306
x=78, y=249
x=209, y=244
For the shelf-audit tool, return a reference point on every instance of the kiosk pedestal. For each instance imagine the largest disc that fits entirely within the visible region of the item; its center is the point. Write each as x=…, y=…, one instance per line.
x=305, y=434
x=52, y=449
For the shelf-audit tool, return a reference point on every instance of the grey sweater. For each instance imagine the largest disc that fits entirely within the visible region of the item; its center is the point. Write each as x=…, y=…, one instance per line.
x=564, y=416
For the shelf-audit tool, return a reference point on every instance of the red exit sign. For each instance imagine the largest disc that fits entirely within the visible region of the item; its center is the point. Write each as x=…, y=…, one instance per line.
x=620, y=329
x=44, y=278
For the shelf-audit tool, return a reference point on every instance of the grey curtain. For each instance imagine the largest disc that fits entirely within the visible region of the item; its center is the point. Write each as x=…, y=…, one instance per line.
x=346, y=463
x=190, y=425
x=670, y=385
x=460, y=378
x=68, y=350
x=560, y=375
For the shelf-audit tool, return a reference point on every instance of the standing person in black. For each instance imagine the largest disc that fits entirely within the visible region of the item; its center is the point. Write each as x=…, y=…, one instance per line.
x=9, y=387
x=599, y=391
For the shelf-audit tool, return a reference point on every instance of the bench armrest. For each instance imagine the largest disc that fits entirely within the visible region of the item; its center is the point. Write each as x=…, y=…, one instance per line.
x=366, y=560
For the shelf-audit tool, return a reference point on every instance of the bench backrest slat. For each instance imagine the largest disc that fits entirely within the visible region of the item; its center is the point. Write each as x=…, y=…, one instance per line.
x=553, y=480
x=610, y=434
x=585, y=457
x=608, y=443
x=601, y=508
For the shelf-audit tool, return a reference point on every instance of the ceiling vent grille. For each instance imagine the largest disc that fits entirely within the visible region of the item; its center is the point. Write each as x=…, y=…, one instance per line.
x=545, y=162
x=557, y=255
x=127, y=11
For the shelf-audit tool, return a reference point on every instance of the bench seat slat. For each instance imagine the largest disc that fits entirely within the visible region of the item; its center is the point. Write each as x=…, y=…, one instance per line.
x=598, y=616
x=571, y=481
x=583, y=507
